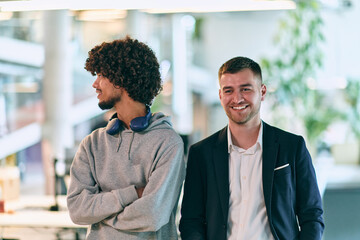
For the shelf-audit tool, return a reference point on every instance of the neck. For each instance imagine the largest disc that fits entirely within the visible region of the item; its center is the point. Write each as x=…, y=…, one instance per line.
x=244, y=135
x=128, y=109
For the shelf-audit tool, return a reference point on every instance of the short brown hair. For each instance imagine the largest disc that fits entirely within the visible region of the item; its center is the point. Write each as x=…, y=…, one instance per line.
x=238, y=64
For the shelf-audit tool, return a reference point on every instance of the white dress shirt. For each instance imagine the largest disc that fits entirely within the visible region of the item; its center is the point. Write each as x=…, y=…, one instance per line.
x=247, y=213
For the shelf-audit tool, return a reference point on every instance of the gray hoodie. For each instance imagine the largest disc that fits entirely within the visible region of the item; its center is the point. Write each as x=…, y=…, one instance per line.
x=107, y=168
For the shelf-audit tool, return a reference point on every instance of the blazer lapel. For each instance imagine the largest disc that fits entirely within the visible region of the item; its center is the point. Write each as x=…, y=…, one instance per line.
x=221, y=165
x=270, y=153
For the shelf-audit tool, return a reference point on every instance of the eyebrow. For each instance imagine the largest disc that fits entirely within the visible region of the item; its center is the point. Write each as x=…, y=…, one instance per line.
x=246, y=85
x=241, y=86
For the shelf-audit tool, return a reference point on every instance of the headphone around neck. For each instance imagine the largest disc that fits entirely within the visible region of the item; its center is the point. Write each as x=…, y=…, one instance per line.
x=138, y=124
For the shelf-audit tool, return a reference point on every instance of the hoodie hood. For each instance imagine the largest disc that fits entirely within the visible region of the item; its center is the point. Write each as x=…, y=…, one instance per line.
x=157, y=120
x=115, y=129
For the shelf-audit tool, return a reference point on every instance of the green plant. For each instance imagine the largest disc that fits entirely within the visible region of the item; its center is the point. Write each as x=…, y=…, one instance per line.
x=290, y=76
x=352, y=97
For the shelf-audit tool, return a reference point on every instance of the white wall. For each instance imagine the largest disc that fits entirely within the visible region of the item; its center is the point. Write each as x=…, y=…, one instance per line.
x=247, y=34
x=342, y=33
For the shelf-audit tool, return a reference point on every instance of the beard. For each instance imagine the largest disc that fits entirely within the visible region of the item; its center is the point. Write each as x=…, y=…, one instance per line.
x=240, y=120
x=104, y=105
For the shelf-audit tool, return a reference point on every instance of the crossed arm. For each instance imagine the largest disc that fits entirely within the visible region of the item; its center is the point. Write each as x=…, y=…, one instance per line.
x=132, y=208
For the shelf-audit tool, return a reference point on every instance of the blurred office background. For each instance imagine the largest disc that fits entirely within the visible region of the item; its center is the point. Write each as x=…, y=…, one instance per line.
x=309, y=52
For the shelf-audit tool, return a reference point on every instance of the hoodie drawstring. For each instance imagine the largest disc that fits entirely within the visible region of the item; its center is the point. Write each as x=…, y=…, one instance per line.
x=131, y=141
x=120, y=140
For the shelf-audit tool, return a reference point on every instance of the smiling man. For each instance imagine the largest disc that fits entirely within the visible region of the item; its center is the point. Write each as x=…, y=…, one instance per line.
x=126, y=178
x=249, y=181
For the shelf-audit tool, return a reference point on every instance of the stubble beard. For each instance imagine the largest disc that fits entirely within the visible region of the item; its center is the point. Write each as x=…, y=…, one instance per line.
x=104, y=105
x=245, y=118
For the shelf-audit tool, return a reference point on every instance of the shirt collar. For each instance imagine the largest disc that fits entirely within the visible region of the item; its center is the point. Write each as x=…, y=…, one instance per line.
x=259, y=139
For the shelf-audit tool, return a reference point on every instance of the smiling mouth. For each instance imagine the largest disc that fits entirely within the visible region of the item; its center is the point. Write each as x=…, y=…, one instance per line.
x=240, y=107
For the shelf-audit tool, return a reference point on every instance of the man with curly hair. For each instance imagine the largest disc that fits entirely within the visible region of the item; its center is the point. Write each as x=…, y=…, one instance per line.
x=126, y=178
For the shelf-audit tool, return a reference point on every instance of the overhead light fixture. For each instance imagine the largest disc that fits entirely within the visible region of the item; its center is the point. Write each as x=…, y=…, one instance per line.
x=26, y=5
x=153, y=6
x=224, y=6
x=101, y=15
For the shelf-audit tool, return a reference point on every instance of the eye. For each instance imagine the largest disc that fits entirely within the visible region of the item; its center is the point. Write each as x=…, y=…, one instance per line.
x=246, y=89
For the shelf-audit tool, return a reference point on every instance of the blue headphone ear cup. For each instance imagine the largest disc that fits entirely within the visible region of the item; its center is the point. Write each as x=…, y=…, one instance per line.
x=114, y=126
x=140, y=123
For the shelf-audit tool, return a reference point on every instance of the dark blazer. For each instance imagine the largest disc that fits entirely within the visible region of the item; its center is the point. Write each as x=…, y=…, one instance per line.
x=292, y=198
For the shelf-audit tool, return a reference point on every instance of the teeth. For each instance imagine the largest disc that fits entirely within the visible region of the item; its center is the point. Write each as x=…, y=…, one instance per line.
x=239, y=108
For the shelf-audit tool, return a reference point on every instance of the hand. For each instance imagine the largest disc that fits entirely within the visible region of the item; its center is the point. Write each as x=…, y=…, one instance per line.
x=139, y=191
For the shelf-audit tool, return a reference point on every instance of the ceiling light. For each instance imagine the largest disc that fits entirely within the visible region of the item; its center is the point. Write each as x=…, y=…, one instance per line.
x=101, y=15
x=154, y=6
x=224, y=6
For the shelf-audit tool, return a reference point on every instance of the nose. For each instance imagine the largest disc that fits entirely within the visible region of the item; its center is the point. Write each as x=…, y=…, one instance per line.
x=95, y=83
x=238, y=97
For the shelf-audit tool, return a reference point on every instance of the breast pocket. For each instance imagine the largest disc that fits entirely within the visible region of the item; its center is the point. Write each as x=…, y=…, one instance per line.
x=282, y=170
x=282, y=186
x=283, y=199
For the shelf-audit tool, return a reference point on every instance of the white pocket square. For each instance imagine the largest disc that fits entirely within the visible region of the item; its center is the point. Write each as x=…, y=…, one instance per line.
x=281, y=167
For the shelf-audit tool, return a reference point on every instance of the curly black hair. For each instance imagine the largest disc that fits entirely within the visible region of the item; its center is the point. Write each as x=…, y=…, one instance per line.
x=129, y=64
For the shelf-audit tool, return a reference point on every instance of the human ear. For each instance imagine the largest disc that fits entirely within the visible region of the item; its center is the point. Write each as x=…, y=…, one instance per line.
x=263, y=92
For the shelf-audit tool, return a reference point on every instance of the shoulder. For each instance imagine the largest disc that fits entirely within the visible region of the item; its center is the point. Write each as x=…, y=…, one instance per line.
x=94, y=137
x=163, y=134
x=279, y=134
x=217, y=138
x=161, y=129
x=287, y=140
